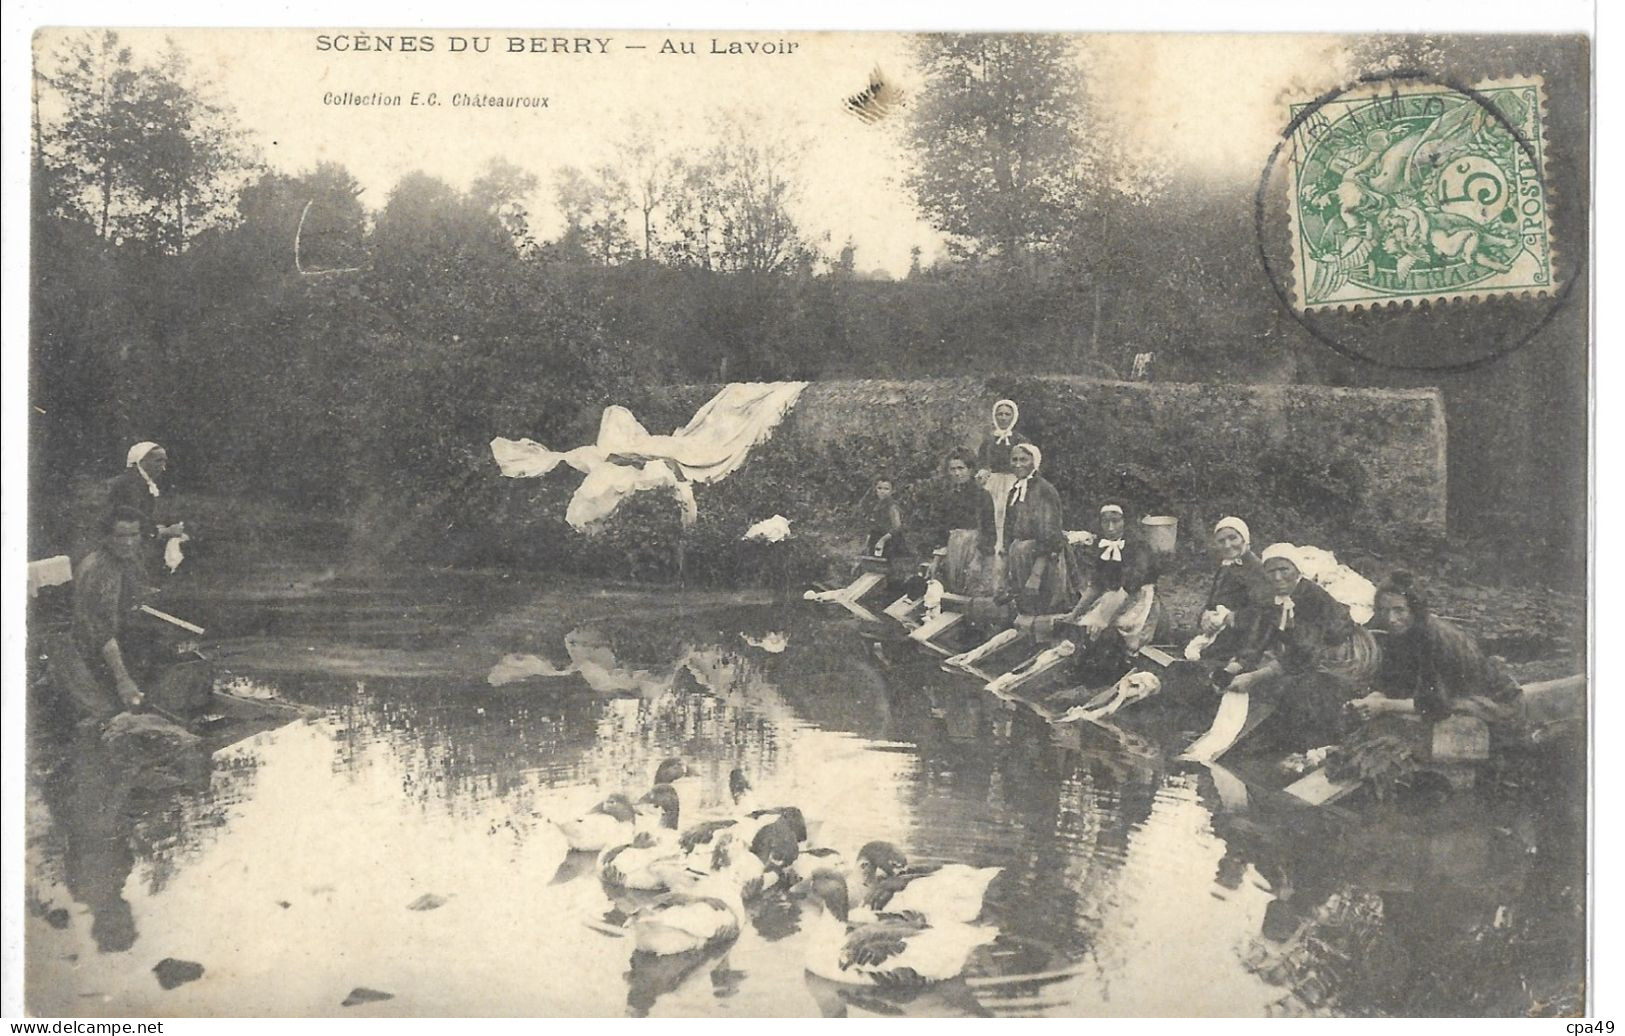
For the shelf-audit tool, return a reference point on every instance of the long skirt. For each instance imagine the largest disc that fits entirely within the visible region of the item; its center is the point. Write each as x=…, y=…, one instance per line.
x=998, y=486
x=1310, y=705
x=966, y=570
x=1054, y=585
x=1136, y=624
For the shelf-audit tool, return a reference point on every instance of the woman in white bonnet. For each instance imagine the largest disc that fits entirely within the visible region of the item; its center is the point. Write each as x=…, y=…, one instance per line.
x=1305, y=651
x=138, y=489
x=994, y=471
x=1238, y=589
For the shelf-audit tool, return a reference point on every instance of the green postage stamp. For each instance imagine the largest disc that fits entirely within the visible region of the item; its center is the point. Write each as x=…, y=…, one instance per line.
x=1417, y=191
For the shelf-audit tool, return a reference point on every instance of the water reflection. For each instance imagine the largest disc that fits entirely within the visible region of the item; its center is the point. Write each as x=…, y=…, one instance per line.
x=1130, y=884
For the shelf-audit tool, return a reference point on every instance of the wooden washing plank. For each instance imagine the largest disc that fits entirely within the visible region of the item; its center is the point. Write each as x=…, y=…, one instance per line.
x=172, y=620
x=1046, y=660
x=1157, y=655
x=998, y=642
x=1317, y=788
x=859, y=610
x=927, y=632
x=903, y=609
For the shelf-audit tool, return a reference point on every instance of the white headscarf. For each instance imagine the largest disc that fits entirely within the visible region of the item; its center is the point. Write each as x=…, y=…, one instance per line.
x=1283, y=601
x=1241, y=530
x=133, y=459
x=1112, y=550
x=1019, y=490
x=1002, y=435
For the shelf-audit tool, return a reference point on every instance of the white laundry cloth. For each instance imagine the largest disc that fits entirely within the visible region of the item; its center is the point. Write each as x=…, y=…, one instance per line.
x=769, y=530
x=49, y=572
x=627, y=459
x=1348, y=587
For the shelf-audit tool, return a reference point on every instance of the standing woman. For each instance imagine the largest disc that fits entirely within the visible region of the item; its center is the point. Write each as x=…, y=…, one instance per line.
x=137, y=490
x=995, y=472
x=1239, y=588
x=1035, y=551
x=969, y=532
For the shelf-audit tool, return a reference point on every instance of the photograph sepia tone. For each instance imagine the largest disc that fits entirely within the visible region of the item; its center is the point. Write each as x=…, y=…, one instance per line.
x=597, y=523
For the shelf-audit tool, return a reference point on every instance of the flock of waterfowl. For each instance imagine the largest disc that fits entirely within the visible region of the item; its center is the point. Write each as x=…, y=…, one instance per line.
x=684, y=883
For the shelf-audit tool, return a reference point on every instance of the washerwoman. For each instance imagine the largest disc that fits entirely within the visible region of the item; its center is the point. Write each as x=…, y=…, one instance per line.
x=98, y=669
x=137, y=490
x=1119, y=613
x=1238, y=589
x=1431, y=667
x=1305, y=651
x=966, y=511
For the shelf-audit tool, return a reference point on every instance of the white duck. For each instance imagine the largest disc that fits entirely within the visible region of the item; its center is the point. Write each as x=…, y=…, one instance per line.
x=893, y=950
x=705, y=914
x=645, y=862
x=942, y=894
x=613, y=821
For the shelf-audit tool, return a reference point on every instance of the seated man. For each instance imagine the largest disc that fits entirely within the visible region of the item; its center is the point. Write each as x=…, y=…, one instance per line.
x=98, y=666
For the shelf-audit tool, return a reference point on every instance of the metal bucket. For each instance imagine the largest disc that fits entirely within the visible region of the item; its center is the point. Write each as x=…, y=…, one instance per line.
x=1161, y=532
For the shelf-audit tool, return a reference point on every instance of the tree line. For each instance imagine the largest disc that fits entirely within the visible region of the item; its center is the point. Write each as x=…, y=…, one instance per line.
x=290, y=339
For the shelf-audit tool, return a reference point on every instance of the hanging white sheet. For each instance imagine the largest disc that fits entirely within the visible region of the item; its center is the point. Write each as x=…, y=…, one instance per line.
x=627, y=459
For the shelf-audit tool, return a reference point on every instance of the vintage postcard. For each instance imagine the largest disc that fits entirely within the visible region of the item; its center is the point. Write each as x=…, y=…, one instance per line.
x=592, y=523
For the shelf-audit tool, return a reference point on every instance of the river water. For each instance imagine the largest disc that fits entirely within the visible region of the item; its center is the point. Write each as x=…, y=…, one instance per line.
x=397, y=839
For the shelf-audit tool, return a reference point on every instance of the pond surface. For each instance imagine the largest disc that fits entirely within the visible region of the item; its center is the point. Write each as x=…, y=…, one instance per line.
x=396, y=837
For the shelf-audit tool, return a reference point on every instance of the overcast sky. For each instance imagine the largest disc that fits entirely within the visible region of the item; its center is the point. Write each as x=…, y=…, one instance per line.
x=1206, y=105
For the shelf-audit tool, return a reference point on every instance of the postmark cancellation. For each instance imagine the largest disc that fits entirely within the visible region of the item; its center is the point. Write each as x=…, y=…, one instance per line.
x=1419, y=191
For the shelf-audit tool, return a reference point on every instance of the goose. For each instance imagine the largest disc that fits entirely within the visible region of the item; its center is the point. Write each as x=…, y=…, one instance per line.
x=892, y=950
x=941, y=894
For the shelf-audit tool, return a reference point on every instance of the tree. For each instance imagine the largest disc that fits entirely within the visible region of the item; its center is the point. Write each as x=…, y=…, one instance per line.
x=189, y=157
x=740, y=195
x=503, y=189
x=1000, y=152
x=427, y=228
x=139, y=152
x=309, y=223
x=83, y=156
x=647, y=177
x=595, y=228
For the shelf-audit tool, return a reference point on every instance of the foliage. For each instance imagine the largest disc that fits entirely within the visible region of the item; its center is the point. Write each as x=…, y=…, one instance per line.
x=727, y=208
x=999, y=139
x=138, y=151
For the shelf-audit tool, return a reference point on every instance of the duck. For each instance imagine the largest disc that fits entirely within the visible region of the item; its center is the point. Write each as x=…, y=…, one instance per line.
x=892, y=950
x=950, y=893
x=740, y=791
x=677, y=774
x=643, y=862
x=611, y=822
x=751, y=857
x=704, y=915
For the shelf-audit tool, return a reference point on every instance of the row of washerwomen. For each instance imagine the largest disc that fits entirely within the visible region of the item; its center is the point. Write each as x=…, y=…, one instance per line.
x=1266, y=627
x=682, y=880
